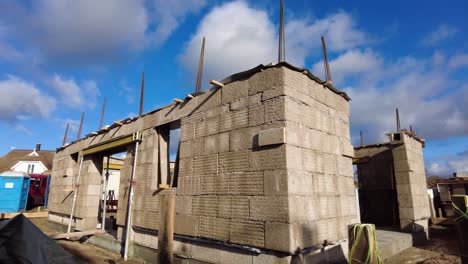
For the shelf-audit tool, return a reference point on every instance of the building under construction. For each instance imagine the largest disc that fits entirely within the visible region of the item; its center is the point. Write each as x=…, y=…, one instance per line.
x=263, y=170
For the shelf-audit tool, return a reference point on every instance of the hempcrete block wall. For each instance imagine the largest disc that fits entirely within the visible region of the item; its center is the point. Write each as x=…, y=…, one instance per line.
x=281, y=196
x=404, y=158
x=411, y=183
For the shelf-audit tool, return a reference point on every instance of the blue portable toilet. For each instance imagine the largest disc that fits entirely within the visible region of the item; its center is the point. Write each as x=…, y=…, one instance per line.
x=14, y=188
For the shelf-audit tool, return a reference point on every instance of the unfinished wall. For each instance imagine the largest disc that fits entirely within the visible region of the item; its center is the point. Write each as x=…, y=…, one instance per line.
x=392, y=182
x=265, y=161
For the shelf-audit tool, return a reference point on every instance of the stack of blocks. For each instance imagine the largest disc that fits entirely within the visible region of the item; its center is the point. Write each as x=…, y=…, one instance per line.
x=265, y=162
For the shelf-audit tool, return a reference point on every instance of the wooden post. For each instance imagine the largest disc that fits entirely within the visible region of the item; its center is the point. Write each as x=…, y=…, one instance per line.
x=166, y=226
x=460, y=206
x=440, y=212
x=430, y=198
x=363, y=246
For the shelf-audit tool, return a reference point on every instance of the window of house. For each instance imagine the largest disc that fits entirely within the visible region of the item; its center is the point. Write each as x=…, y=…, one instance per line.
x=30, y=168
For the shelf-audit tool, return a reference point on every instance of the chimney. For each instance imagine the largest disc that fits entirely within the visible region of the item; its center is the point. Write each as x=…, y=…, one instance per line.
x=38, y=147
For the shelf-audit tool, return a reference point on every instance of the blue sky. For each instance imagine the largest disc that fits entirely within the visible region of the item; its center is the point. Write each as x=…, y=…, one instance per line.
x=61, y=57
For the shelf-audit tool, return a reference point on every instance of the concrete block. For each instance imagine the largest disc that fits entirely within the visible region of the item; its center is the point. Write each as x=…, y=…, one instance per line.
x=272, y=136
x=182, y=248
x=272, y=259
x=185, y=167
x=234, y=90
x=214, y=228
x=282, y=182
x=346, y=149
x=325, y=184
x=189, y=185
x=345, y=166
x=186, y=225
x=233, y=256
x=206, y=252
x=313, y=161
x=246, y=183
x=234, y=120
x=269, y=208
x=247, y=233
x=303, y=208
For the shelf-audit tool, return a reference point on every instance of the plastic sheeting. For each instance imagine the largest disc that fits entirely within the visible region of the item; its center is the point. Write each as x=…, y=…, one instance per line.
x=22, y=242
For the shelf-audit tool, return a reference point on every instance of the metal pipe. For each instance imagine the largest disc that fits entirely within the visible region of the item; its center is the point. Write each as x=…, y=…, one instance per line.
x=77, y=185
x=104, y=210
x=130, y=203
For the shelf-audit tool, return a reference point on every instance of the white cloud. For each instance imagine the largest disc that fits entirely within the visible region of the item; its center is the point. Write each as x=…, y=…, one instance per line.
x=168, y=15
x=91, y=32
x=351, y=63
x=418, y=87
x=240, y=37
x=23, y=129
x=446, y=166
x=441, y=33
x=74, y=95
x=458, y=60
x=303, y=36
x=87, y=29
x=21, y=98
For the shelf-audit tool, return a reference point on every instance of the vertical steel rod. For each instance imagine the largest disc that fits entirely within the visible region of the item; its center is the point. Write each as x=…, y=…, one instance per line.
x=200, y=68
x=362, y=138
x=325, y=61
x=77, y=186
x=65, y=135
x=281, y=44
x=105, y=196
x=397, y=120
x=78, y=135
x=142, y=93
x=130, y=203
x=101, y=120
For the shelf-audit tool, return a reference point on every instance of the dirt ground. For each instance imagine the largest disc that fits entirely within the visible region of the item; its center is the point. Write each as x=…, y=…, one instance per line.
x=87, y=252
x=442, y=248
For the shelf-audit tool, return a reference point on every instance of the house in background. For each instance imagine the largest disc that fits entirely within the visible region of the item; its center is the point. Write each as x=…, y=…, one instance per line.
x=36, y=161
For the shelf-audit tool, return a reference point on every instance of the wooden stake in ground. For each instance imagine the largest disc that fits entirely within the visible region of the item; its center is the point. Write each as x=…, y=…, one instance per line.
x=460, y=206
x=166, y=226
x=363, y=246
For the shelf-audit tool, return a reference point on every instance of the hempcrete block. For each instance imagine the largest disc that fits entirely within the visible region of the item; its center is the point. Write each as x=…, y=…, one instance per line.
x=183, y=204
x=208, y=126
x=206, y=205
x=325, y=184
x=233, y=120
x=269, y=208
x=242, y=139
x=185, y=167
x=247, y=233
x=275, y=110
x=267, y=79
x=268, y=158
x=273, y=136
x=214, y=184
x=215, y=144
x=256, y=115
x=245, y=183
x=214, y=228
x=233, y=162
x=209, y=100
x=186, y=225
x=189, y=185
x=234, y=90
x=283, y=182
x=206, y=165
